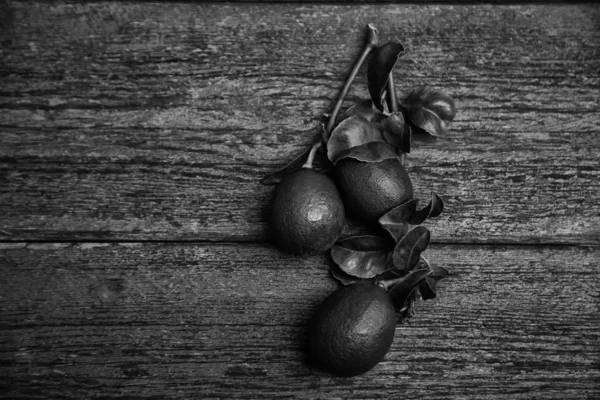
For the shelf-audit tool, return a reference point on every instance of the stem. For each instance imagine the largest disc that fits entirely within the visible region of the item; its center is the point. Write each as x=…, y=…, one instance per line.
x=392, y=93
x=394, y=106
x=387, y=285
x=311, y=155
x=372, y=41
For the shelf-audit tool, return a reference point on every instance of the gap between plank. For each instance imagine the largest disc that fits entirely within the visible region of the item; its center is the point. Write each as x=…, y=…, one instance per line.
x=6, y=244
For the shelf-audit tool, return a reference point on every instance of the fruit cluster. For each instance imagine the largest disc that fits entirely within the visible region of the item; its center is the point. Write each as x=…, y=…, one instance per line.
x=364, y=176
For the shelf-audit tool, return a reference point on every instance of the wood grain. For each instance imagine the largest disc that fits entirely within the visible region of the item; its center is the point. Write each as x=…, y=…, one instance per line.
x=115, y=201
x=156, y=121
x=101, y=320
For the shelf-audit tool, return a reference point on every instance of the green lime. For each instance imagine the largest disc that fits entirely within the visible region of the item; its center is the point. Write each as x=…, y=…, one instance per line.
x=307, y=213
x=371, y=189
x=353, y=328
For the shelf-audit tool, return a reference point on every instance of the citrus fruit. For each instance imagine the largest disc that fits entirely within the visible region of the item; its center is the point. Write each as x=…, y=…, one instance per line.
x=353, y=328
x=371, y=189
x=307, y=213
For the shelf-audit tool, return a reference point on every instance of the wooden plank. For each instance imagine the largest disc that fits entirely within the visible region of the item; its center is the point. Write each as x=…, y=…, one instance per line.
x=113, y=201
x=156, y=121
x=187, y=320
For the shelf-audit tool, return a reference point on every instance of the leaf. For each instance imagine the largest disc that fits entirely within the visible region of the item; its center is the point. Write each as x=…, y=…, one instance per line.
x=362, y=256
x=427, y=288
x=408, y=310
x=431, y=210
x=381, y=64
x=439, y=273
x=426, y=120
x=408, y=250
x=396, y=220
x=435, y=100
x=401, y=291
x=364, y=242
x=363, y=108
x=429, y=109
x=351, y=132
x=341, y=276
x=396, y=132
x=369, y=152
x=281, y=173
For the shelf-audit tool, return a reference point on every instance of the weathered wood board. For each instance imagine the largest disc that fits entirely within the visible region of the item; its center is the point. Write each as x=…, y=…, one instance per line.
x=100, y=320
x=135, y=257
x=157, y=121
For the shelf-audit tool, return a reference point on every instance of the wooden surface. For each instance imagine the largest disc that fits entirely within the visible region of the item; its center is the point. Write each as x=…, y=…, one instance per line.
x=135, y=259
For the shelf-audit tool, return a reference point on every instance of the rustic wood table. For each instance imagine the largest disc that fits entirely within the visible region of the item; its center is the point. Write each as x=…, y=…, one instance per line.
x=135, y=257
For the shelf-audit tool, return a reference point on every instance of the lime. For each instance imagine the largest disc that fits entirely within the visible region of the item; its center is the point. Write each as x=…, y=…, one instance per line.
x=307, y=213
x=371, y=189
x=353, y=328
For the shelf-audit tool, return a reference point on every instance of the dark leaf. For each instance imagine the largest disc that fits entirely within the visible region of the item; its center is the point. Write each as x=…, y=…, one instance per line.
x=389, y=274
x=380, y=65
x=426, y=120
x=396, y=132
x=439, y=273
x=431, y=210
x=281, y=173
x=423, y=263
x=427, y=288
x=429, y=109
x=364, y=242
x=435, y=100
x=362, y=256
x=362, y=109
x=407, y=311
x=351, y=132
x=408, y=250
x=341, y=276
x=396, y=220
x=419, y=135
x=370, y=152
x=401, y=291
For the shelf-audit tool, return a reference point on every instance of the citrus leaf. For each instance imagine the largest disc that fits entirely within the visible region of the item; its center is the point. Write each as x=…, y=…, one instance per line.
x=435, y=100
x=363, y=108
x=396, y=132
x=426, y=120
x=407, y=311
x=423, y=263
x=401, y=291
x=396, y=220
x=362, y=256
x=439, y=273
x=369, y=152
x=428, y=109
x=408, y=250
x=387, y=275
x=364, y=242
x=281, y=173
x=341, y=276
x=431, y=210
x=380, y=65
x=351, y=132
x=427, y=288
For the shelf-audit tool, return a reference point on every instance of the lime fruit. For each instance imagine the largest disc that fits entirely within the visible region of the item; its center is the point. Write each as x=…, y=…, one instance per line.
x=371, y=189
x=307, y=213
x=353, y=328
